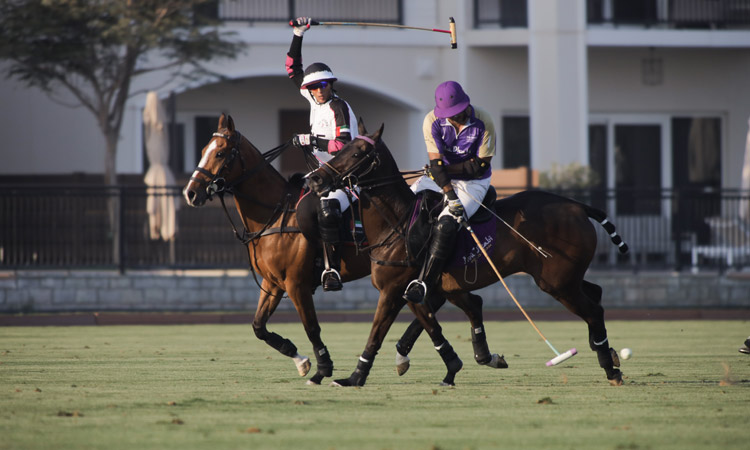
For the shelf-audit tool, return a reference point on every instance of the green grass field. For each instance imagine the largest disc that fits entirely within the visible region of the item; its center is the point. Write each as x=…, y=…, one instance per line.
x=216, y=386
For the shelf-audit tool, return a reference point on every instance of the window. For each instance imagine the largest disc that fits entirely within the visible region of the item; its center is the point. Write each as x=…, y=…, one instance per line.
x=516, y=142
x=204, y=130
x=638, y=168
x=293, y=121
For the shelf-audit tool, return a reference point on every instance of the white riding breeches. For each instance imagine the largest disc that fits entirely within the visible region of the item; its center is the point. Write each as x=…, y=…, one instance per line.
x=340, y=195
x=470, y=192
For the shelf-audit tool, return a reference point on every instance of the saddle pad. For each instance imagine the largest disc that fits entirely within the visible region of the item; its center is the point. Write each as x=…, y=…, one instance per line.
x=466, y=250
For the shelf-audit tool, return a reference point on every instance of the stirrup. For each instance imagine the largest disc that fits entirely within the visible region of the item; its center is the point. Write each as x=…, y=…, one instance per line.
x=336, y=285
x=412, y=287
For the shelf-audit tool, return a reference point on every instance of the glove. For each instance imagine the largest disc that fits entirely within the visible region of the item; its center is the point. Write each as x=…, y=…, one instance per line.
x=456, y=208
x=303, y=140
x=301, y=24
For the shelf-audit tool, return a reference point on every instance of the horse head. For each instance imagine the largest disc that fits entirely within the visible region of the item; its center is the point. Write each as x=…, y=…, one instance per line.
x=352, y=165
x=218, y=168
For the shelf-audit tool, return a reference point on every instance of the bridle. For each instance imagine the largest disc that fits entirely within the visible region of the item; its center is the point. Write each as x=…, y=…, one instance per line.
x=350, y=177
x=217, y=184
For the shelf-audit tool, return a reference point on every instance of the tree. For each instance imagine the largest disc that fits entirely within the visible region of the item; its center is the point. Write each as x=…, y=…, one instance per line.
x=95, y=48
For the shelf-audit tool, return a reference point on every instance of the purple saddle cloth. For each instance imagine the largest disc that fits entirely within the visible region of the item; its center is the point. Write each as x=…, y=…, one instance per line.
x=466, y=250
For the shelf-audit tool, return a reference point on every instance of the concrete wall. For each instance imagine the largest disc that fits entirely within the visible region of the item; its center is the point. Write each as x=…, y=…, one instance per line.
x=235, y=290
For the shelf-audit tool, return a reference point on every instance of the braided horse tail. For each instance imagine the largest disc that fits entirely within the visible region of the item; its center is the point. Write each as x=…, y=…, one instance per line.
x=601, y=217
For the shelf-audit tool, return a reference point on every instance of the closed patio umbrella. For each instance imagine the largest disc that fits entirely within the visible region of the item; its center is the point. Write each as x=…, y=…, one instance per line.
x=745, y=204
x=161, y=206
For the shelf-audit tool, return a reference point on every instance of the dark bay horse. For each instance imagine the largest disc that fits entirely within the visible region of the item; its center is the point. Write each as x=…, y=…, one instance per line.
x=559, y=246
x=278, y=251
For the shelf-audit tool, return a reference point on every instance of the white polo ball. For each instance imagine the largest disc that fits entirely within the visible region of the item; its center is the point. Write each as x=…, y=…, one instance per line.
x=626, y=353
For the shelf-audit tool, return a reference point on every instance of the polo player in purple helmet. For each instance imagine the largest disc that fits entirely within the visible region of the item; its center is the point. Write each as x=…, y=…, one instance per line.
x=460, y=141
x=331, y=121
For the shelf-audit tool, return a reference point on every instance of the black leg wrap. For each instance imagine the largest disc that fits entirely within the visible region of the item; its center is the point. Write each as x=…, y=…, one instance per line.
x=284, y=346
x=452, y=362
x=606, y=362
x=359, y=376
x=406, y=343
x=325, y=365
x=481, y=349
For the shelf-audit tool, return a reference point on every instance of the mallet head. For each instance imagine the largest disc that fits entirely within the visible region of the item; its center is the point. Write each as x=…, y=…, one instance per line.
x=562, y=357
x=452, y=27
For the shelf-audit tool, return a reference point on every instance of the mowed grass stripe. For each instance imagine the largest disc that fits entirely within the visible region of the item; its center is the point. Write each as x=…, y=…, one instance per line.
x=216, y=386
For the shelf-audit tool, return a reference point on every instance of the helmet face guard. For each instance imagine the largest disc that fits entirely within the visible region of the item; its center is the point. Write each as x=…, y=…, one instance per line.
x=317, y=72
x=450, y=99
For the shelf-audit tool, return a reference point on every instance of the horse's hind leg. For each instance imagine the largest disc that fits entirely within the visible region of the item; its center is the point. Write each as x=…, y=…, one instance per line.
x=410, y=336
x=270, y=296
x=590, y=310
x=471, y=304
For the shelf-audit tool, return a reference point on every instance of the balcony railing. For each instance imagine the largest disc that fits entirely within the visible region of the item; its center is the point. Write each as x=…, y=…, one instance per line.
x=108, y=228
x=676, y=14
x=377, y=11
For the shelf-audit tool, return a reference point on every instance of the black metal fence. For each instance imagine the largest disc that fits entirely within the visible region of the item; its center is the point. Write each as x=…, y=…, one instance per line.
x=98, y=227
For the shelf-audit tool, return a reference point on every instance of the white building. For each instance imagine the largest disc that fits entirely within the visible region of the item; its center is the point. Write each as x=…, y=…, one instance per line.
x=651, y=93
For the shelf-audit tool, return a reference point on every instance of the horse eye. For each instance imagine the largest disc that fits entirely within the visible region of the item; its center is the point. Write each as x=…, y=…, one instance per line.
x=220, y=154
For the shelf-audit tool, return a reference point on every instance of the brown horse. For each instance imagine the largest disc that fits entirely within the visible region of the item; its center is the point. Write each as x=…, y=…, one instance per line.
x=559, y=245
x=277, y=249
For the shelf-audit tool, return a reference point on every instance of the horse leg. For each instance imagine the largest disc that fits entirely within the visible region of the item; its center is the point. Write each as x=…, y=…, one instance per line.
x=451, y=360
x=471, y=304
x=389, y=304
x=270, y=296
x=410, y=336
x=592, y=313
x=303, y=302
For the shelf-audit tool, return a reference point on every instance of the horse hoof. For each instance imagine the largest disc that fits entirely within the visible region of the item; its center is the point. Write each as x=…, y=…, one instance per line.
x=402, y=364
x=615, y=379
x=615, y=357
x=498, y=362
x=303, y=366
x=315, y=380
x=344, y=382
x=444, y=384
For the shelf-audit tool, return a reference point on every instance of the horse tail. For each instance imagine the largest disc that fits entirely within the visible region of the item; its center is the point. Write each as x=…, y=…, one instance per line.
x=601, y=217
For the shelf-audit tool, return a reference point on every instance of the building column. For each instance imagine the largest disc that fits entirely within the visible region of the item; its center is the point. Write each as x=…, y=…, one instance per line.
x=558, y=82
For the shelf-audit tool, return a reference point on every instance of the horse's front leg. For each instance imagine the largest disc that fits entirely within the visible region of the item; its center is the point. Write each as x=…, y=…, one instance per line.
x=452, y=362
x=410, y=336
x=303, y=302
x=389, y=304
x=270, y=296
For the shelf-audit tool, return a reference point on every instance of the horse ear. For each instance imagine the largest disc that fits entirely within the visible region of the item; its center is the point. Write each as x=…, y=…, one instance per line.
x=222, y=122
x=378, y=133
x=230, y=124
x=361, y=126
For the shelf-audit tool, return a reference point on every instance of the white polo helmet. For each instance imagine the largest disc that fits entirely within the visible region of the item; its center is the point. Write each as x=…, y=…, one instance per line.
x=316, y=72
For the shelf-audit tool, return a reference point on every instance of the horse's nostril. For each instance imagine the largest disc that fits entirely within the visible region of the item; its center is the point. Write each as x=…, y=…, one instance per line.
x=190, y=195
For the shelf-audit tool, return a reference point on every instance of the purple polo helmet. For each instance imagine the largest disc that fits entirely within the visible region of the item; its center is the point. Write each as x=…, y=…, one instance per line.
x=450, y=99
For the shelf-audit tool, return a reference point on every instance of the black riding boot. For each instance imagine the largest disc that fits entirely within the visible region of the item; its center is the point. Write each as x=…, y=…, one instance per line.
x=440, y=250
x=329, y=217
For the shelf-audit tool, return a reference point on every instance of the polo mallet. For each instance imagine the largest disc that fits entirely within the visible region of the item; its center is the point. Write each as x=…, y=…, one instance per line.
x=451, y=26
x=560, y=356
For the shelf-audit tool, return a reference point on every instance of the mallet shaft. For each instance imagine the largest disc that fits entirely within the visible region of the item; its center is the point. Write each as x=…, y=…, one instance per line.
x=451, y=31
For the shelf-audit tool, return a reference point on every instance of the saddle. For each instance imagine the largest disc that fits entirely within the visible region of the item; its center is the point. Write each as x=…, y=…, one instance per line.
x=426, y=210
x=350, y=227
